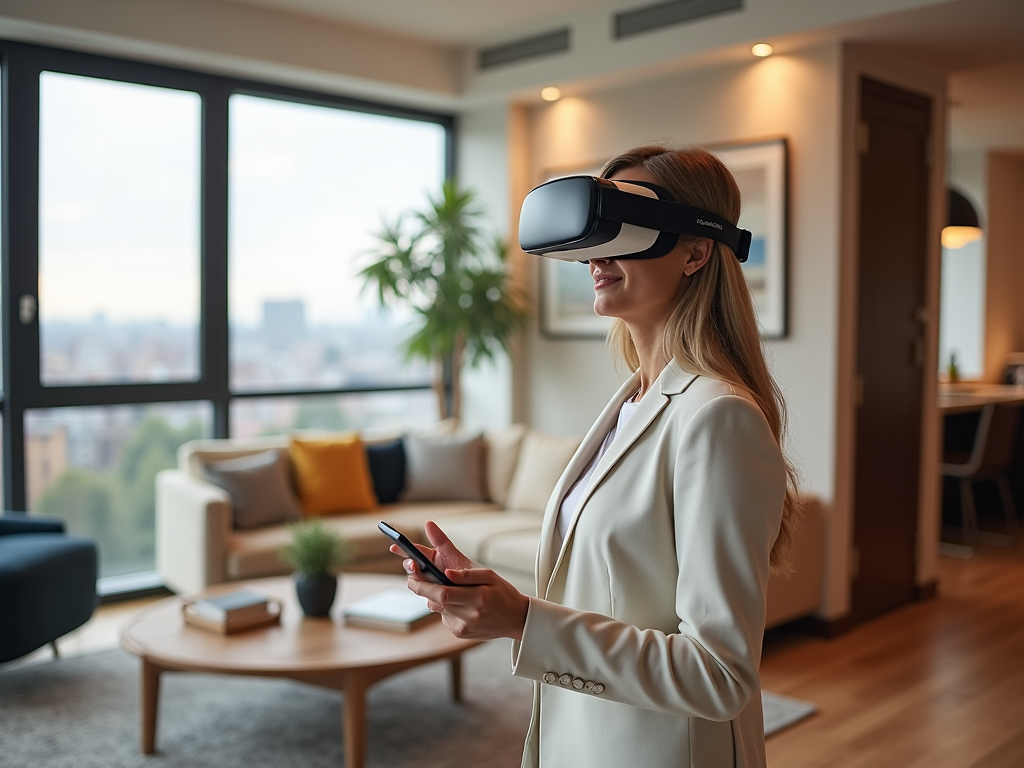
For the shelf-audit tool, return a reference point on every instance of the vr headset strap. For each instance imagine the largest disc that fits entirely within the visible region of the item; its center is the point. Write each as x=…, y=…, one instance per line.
x=667, y=216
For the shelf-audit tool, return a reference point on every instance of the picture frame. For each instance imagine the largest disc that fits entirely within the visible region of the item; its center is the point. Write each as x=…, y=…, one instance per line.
x=761, y=171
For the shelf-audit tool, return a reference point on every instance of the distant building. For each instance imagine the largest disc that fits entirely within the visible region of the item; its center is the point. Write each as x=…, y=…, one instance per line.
x=46, y=458
x=284, y=322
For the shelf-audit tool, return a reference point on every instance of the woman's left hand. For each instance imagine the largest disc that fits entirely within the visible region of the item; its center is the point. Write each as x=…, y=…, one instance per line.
x=481, y=606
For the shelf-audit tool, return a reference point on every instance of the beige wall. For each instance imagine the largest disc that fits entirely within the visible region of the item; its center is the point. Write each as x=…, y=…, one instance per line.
x=1004, y=235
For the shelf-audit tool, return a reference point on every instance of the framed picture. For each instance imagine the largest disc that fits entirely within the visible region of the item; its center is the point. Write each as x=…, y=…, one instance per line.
x=567, y=289
x=760, y=171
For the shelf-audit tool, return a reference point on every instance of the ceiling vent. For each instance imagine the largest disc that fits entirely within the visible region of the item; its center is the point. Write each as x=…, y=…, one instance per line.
x=651, y=17
x=527, y=48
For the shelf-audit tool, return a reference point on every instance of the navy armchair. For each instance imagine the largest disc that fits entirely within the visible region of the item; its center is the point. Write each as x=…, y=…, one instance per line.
x=47, y=583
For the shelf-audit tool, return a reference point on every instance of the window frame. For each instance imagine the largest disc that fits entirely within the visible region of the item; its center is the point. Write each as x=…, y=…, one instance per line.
x=23, y=390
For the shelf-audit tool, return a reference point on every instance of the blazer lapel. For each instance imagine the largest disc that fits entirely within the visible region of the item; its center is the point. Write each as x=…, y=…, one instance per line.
x=673, y=380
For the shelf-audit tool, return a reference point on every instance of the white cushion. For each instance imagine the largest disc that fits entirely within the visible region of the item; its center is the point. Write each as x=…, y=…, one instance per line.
x=472, y=534
x=542, y=459
x=501, y=455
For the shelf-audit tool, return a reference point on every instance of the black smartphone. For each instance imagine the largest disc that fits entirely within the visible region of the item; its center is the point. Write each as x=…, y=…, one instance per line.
x=430, y=571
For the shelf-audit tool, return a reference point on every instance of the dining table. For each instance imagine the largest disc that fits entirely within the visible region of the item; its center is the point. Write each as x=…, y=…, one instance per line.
x=967, y=397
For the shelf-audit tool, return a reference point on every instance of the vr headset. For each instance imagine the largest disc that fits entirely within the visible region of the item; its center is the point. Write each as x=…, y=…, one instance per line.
x=579, y=218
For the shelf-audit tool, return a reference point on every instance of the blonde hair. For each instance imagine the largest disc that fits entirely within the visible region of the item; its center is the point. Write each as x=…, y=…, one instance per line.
x=712, y=330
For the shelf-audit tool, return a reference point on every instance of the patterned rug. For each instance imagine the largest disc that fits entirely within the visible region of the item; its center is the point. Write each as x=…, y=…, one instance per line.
x=82, y=712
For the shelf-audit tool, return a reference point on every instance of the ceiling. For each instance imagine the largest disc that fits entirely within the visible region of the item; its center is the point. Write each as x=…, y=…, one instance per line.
x=979, y=44
x=423, y=53
x=451, y=22
x=952, y=35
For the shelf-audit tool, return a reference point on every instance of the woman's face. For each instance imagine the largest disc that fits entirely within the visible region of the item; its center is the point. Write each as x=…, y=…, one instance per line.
x=643, y=292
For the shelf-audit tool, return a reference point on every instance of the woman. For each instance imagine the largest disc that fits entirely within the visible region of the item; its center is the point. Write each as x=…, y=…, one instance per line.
x=645, y=639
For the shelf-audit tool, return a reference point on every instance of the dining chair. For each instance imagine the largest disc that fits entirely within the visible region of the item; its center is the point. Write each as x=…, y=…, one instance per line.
x=991, y=455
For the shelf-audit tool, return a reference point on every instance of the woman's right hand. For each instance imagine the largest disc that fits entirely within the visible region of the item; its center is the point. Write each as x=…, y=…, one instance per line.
x=481, y=605
x=444, y=556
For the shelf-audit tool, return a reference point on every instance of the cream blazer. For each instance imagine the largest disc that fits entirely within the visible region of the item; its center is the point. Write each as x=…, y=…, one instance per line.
x=645, y=639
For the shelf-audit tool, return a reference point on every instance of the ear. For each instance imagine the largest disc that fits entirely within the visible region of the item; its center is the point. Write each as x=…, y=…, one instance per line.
x=700, y=252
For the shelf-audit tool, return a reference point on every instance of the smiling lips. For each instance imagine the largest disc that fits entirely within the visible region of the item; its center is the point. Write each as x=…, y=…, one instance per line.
x=603, y=281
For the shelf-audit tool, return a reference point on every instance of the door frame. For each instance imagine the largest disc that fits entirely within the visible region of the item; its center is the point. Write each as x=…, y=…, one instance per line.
x=859, y=62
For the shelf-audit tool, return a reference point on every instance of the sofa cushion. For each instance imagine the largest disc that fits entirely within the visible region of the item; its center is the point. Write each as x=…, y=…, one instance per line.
x=473, y=534
x=443, y=468
x=514, y=551
x=542, y=459
x=500, y=456
x=332, y=474
x=387, y=468
x=193, y=455
x=259, y=486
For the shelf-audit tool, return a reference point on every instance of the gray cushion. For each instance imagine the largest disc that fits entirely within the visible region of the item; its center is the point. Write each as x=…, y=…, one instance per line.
x=444, y=467
x=259, y=486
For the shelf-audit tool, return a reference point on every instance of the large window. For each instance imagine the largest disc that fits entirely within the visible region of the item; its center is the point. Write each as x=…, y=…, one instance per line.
x=181, y=253
x=309, y=187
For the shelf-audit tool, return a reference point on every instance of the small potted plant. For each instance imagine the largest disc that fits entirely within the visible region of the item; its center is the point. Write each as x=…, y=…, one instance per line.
x=315, y=553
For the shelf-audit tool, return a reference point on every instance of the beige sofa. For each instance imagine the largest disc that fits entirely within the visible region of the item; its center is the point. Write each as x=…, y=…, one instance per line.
x=197, y=545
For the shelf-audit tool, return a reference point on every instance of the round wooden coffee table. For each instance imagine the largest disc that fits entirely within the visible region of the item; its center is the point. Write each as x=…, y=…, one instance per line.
x=320, y=651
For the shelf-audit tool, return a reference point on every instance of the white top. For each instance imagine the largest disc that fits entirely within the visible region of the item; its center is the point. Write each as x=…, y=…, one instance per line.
x=572, y=498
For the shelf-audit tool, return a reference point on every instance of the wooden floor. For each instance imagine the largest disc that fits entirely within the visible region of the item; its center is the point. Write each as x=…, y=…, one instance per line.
x=939, y=683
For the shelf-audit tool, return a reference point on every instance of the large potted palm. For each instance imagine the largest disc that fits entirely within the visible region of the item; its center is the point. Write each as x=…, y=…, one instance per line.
x=439, y=262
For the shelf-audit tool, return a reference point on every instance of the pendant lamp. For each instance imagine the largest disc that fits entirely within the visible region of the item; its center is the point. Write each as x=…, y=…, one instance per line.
x=962, y=224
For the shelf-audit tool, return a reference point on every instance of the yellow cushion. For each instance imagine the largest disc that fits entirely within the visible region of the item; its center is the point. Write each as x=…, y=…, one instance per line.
x=332, y=474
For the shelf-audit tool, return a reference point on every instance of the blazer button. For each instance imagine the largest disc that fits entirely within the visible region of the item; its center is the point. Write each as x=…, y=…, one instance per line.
x=549, y=677
x=598, y=689
x=565, y=680
x=578, y=683
x=589, y=685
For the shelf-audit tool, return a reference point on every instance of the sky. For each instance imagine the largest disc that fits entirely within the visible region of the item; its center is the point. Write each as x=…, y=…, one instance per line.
x=308, y=185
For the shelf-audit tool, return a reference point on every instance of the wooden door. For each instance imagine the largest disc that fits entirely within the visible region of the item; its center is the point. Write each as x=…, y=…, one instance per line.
x=894, y=181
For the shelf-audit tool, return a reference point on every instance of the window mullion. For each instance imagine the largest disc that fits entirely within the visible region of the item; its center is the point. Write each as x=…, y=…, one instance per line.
x=20, y=260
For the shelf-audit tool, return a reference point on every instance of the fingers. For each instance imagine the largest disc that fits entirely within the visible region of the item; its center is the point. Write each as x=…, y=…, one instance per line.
x=435, y=535
x=472, y=577
x=424, y=549
x=444, y=546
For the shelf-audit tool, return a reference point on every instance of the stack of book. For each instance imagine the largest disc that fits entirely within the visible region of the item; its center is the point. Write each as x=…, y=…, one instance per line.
x=230, y=612
x=394, y=610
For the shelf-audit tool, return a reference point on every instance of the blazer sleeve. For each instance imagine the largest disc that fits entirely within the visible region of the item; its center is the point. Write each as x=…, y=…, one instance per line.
x=729, y=486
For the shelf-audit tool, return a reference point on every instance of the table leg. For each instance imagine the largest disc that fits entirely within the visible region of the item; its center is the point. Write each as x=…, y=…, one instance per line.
x=456, y=676
x=150, y=699
x=354, y=720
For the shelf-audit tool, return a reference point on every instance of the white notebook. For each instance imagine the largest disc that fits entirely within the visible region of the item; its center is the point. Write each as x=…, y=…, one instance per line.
x=398, y=610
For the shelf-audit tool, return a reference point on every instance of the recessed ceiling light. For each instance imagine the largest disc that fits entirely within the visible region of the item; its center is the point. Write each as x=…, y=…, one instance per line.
x=550, y=93
x=761, y=50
